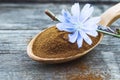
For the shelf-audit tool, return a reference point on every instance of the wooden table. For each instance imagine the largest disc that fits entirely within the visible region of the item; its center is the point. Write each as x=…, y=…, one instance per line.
x=19, y=23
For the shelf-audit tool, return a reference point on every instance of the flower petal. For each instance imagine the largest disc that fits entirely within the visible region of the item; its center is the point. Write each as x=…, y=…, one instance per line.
x=65, y=27
x=79, y=41
x=91, y=24
x=87, y=6
x=83, y=11
x=60, y=26
x=90, y=27
x=75, y=10
x=65, y=17
x=86, y=12
x=61, y=18
x=92, y=33
x=73, y=37
x=66, y=13
x=85, y=37
x=93, y=20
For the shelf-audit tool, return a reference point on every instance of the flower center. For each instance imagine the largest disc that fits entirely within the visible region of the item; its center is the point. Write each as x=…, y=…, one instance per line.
x=79, y=26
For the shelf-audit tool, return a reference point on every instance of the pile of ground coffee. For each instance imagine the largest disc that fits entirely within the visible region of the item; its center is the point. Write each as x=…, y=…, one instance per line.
x=53, y=43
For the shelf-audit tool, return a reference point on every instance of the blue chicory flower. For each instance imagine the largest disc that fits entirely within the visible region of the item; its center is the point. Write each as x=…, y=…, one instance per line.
x=79, y=24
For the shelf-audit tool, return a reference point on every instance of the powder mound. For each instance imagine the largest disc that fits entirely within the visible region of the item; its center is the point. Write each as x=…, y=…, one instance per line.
x=53, y=43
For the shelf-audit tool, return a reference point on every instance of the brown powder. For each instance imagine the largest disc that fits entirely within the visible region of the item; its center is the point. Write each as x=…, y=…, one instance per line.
x=79, y=67
x=52, y=43
x=89, y=76
x=78, y=70
x=83, y=72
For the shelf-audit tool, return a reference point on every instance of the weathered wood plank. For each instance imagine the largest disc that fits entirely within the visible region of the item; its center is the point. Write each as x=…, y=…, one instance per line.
x=26, y=16
x=60, y=1
x=21, y=65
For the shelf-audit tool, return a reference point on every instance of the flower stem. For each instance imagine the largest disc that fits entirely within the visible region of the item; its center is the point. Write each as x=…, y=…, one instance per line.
x=109, y=33
x=51, y=15
x=54, y=18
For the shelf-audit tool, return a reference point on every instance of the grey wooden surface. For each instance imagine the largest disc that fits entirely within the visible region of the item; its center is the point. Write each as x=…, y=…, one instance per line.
x=19, y=23
x=61, y=1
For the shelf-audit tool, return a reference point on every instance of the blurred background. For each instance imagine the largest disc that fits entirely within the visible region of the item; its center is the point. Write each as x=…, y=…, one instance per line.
x=60, y=1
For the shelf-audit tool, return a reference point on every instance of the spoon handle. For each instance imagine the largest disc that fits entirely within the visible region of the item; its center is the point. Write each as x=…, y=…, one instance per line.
x=111, y=15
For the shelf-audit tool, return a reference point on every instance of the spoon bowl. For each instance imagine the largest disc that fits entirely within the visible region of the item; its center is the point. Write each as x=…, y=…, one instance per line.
x=107, y=18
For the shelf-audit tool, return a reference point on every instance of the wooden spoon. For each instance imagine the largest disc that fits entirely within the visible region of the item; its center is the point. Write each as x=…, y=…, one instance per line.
x=107, y=18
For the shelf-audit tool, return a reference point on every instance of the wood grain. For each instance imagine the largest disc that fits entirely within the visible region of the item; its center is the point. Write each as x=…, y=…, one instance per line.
x=61, y=1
